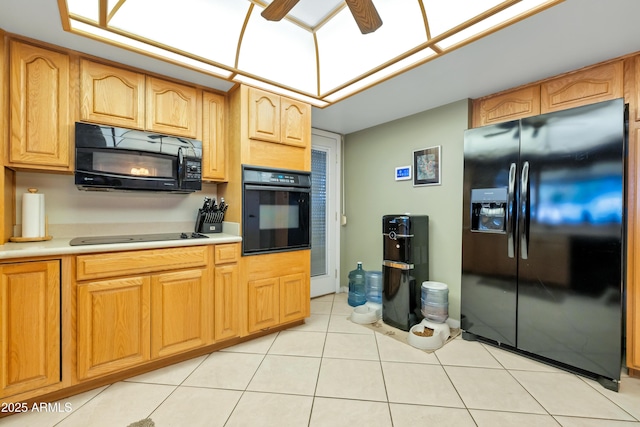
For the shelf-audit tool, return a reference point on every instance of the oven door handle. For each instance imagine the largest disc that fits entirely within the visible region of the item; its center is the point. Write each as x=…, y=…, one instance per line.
x=276, y=188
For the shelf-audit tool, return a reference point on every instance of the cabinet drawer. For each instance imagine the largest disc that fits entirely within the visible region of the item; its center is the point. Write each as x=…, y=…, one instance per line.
x=136, y=262
x=226, y=253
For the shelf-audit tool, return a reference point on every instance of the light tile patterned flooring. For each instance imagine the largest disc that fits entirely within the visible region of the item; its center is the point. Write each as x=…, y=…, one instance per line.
x=332, y=372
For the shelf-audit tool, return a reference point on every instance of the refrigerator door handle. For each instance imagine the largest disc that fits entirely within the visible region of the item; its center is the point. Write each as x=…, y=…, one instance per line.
x=510, y=211
x=524, y=214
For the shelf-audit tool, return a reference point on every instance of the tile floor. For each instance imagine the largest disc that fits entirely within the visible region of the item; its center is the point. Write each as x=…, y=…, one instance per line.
x=331, y=372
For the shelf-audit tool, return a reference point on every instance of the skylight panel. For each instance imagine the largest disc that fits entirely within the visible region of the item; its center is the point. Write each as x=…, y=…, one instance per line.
x=316, y=52
x=86, y=9
x=346, y=54
x=280, y=52
x=136, y=45
x=205, y=28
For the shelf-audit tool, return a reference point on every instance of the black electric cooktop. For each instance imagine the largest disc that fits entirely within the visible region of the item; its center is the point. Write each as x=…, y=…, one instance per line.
x=134, y=238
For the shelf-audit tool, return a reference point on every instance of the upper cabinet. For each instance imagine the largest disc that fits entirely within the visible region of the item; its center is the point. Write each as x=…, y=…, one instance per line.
x=513, y=105
x=124, y=98
x=171, y=108
x=213, y=137
x=278, y=119
x=39, y=102
x=588, y=86
x=592, y=85
x=111, y=95
x=119, y=97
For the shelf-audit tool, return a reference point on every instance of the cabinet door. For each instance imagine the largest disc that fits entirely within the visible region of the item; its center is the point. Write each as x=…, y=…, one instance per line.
x=596, y=84
x=296, y=122
x=113, y=325
x=111, y=96
x=263, y=301
x=30, y=331
x=508, y=106
x=171, y=108
x=213, y=137
x=294, y=297
x=264, y=115
x=39, y=108
x=226, y=310
x=180, y=303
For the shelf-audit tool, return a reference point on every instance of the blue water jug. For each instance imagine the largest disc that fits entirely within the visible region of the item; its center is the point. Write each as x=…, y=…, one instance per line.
x=373, y=286
x=357, y=295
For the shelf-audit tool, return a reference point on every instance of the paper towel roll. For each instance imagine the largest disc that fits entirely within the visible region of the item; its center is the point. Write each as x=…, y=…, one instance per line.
x=33, y=216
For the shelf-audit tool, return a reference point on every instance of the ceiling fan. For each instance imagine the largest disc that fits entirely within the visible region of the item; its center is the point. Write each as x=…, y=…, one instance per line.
x=363, y=11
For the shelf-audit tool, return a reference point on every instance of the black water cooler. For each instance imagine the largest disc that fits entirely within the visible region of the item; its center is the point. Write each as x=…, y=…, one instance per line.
x=405, y=266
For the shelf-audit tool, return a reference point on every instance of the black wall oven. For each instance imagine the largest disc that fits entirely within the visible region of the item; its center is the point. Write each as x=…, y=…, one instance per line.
x=276, y=210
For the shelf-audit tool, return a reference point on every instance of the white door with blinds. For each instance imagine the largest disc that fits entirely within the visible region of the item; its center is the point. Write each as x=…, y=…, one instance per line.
x=325, y=196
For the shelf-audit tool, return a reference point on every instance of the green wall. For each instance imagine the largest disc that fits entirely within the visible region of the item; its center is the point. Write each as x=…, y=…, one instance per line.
x=371, y=191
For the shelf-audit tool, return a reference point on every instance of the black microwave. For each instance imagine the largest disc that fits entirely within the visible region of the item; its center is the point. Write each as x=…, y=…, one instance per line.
x=110, y=158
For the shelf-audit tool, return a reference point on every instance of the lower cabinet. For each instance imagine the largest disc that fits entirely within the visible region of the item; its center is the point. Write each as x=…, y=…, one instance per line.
x=29, y=326
x=180, y=309
x=113, y=325
x=226, y=297
x=226, y=300
x=277, y=300
x=124, y=321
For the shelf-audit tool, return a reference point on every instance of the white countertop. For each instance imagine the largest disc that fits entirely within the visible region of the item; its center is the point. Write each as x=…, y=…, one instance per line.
x=60, y=246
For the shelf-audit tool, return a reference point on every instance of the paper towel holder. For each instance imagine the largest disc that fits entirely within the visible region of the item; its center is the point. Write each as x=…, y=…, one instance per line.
x=34, y=239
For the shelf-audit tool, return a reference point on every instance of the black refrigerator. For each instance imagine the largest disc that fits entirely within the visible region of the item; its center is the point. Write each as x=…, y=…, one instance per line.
x=543, y=248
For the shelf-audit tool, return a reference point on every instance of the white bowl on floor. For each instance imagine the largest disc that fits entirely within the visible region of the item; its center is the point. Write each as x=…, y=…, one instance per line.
x=441, y=333
x=364, y=314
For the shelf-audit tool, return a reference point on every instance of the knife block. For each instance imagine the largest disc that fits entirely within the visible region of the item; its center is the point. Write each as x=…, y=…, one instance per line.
x=209, y=222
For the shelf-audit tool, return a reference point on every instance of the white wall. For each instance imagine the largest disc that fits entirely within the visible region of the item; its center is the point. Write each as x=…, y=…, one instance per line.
x=370, y=159
x=65, y=204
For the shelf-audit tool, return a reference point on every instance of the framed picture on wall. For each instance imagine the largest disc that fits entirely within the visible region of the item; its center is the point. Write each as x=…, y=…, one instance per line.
x=427, y=166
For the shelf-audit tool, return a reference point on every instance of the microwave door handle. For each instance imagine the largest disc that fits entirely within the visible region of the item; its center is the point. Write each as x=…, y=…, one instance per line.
x=276, y=188
x=180, y=167
x=511, y=211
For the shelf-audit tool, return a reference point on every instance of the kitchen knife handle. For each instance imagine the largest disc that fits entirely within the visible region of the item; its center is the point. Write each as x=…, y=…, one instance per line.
x=524, y=212
x=510, y=211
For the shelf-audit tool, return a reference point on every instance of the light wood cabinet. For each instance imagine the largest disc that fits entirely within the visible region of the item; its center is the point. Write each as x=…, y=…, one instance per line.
x=136, y=306
x=588, y=86
x=120, y=97
x=113, y=325
x=262, y=304
x=633, y=260
x=277, y=289
x=277, y=300
x=213, y=137
x=113, y=264
x=294, y=297
x=29, y=326
x=180, y=306
x=635, y=82
x=274, y=118
x=295, y=128
x=226, y=299
x=171, y=108
x=513, y=105
x=40, y=121
x=264, y=115
x=111, y=96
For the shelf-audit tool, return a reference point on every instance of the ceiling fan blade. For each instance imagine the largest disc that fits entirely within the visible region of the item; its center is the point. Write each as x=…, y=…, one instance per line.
x=365, y=14
x=278, y=9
